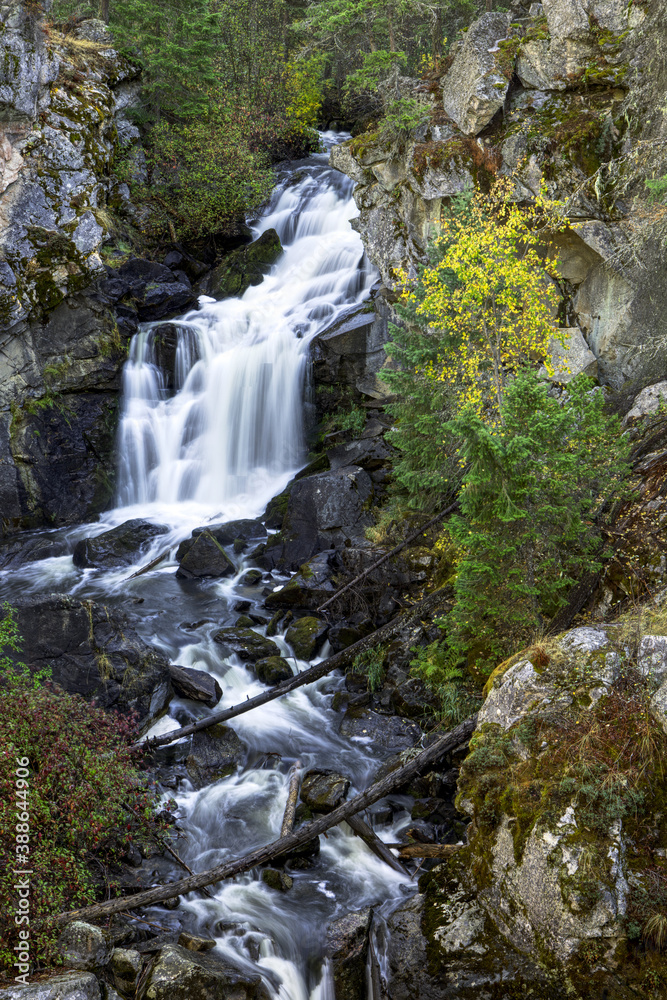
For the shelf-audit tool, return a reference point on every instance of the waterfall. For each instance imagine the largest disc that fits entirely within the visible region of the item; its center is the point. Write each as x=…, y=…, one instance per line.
x=234, y=430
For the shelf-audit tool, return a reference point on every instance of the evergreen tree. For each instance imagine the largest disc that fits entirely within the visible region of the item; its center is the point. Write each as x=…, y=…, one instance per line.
x=537, y=488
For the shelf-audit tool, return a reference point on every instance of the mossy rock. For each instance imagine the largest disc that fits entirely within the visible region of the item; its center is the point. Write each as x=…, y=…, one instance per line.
x=306, y=636
x=272, y=670
x=276, y=879
x=244, y=267
x=247, y=644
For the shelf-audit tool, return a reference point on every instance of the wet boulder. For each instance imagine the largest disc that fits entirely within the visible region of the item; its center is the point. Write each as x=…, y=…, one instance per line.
x=347, y=950
x=276, y=879
x=214, y=753
x=247, y=644
x=323, y=791
x=228, y=532
x=386, y=731
x=180, y=974
x=311, y=586
x=306, y=636
x=348, y=631
x=93, y=650
x=19, y=551
x=243, y=267
x=195, y=684
x=325, y=510
x=121, y=546
x=201, y=556
x=272, y=670
x=252, y=578
x=126, y=965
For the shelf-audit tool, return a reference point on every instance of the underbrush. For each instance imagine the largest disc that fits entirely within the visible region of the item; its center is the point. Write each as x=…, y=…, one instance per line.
x=73, y=801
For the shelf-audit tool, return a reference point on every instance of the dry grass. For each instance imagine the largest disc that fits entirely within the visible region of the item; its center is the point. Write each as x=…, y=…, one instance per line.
x=655, y=931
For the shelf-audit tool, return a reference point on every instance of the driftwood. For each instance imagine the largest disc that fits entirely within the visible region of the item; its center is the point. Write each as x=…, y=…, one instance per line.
x=448, y=742
x=388, y=555
x=342, y=659
x=149, y=566
x=292, y=796
x=371, y=839
x=427, y=850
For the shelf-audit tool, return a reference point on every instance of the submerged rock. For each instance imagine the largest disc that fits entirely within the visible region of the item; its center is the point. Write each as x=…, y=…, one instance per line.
x=306, y=636
x=121, y=546
x=247, y=644
x=180, y=974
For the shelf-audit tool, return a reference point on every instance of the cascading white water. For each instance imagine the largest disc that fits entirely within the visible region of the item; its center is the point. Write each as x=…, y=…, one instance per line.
x=227, y=441
x=235, y=425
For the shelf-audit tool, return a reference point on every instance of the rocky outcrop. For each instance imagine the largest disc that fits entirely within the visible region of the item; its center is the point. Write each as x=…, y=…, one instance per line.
x=118, y=547
x=560, y=99
x=180, y=974
x=64, y=124
x=94, y=651
x=560, y=838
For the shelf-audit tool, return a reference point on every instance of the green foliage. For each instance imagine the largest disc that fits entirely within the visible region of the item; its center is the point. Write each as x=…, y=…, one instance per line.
x=657, y=188
x=402, y=118
x=85, y=797
x=535, y=492
x=207, y=170
x=435, y=665
x=371, y=663
x=375, y=67
x=346, y=421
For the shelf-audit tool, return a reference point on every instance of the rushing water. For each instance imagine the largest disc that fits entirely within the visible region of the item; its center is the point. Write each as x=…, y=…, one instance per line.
x=228, y=439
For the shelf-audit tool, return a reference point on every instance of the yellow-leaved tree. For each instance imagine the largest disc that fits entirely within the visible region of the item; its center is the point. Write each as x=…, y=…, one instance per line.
x=488, y=294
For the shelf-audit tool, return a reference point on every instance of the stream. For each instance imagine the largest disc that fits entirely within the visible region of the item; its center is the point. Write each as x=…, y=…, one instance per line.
x=229, y=439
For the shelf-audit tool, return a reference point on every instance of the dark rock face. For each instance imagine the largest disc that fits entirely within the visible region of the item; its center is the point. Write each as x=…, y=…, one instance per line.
x=243, y=267
x=350, y=354
x=180, y=974
x=310, y=587
x=121, y=546
x=323, y=791
x=347, y=948
x=231, y=531
x=306, y=636
x=18, y=551
x=322, y=511
x=214, y=753
x=272, y=670
x=383, y=730
x=94, y=651
x=203, y=556
x=195, y=684
x=247, y=644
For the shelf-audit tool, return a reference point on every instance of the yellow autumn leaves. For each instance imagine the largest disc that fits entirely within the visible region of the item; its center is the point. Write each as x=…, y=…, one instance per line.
x=489, y=297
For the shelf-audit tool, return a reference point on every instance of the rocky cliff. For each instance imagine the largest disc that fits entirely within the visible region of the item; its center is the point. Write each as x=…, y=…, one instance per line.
x=63, y=104
x=568, y=96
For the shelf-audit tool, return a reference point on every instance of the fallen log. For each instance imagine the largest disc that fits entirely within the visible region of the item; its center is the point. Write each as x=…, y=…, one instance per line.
x=371, y=839
x=445, y=743
x=292, y=796
x=149, y=566
x=427, y=850
x=388, y=555
x=335, y=662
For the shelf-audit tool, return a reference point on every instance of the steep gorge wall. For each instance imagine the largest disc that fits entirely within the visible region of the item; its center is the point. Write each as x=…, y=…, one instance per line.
x=62, y=128
x=568, y=94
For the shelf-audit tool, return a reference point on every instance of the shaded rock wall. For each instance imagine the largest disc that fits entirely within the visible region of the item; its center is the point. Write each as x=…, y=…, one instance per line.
x=63, y=128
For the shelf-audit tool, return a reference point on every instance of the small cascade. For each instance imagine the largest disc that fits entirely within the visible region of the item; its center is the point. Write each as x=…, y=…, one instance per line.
x=230, y=426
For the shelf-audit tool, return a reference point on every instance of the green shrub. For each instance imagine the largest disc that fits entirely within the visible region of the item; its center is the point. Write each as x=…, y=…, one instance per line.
x=86, y=798
x=435, y=665
x=371, y=663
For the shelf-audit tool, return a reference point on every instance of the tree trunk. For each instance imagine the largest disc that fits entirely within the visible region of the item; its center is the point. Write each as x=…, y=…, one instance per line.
x=104, y=10
x=292, y=796
x=446, y=743
x=371, y=839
